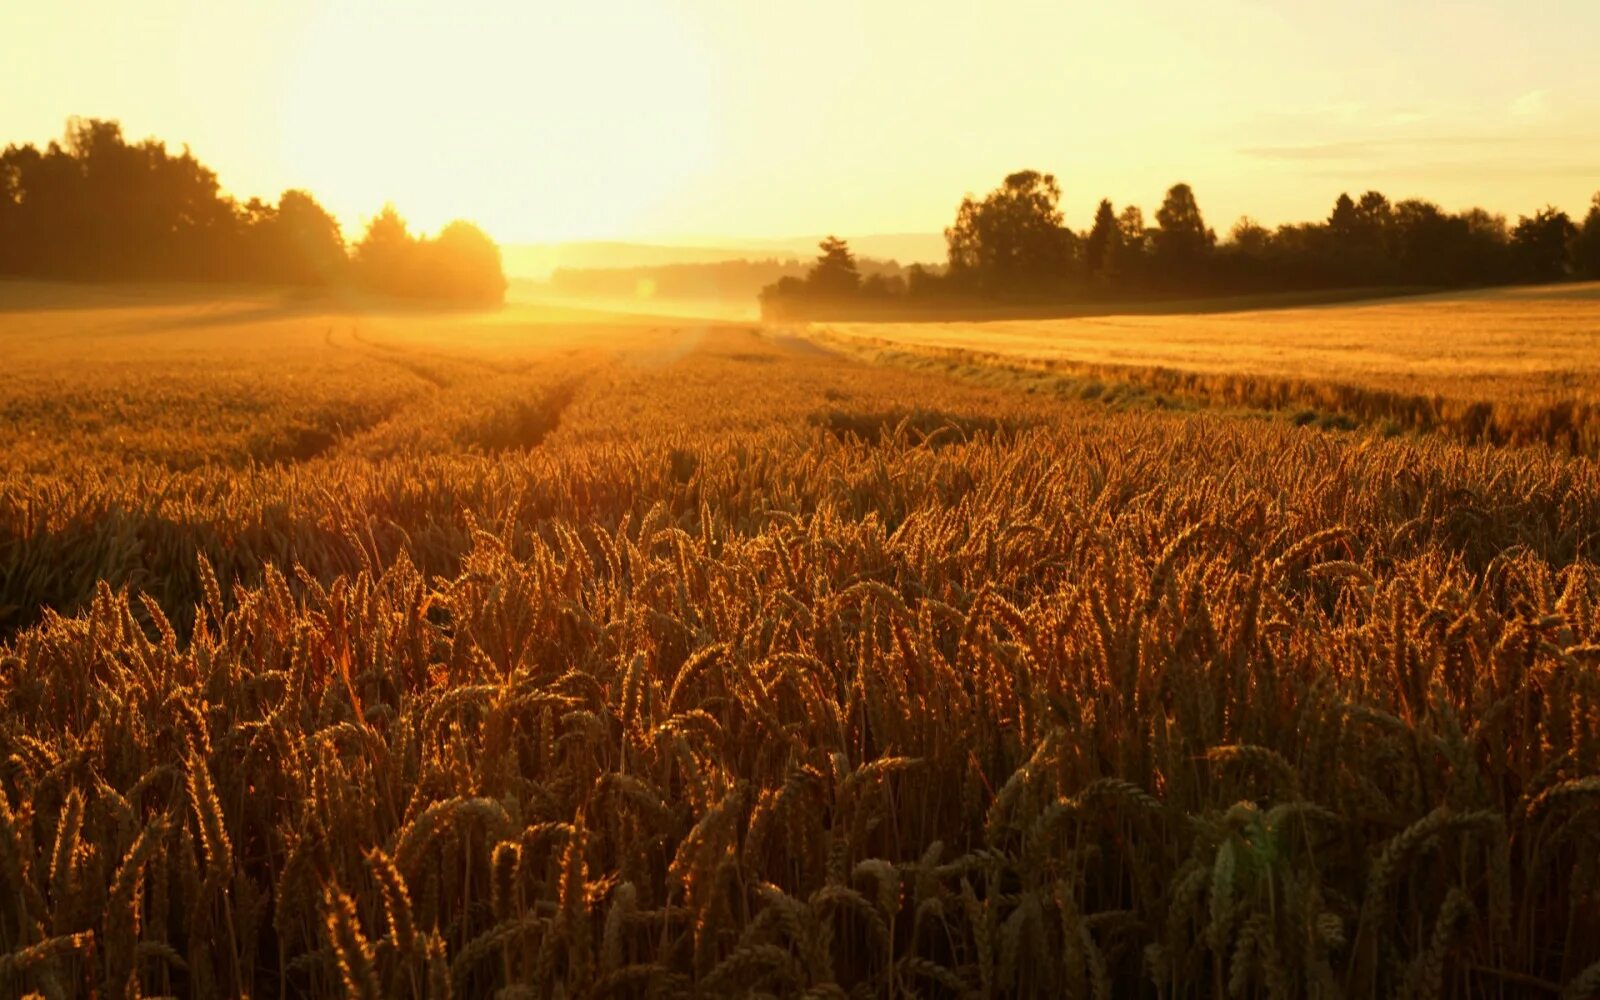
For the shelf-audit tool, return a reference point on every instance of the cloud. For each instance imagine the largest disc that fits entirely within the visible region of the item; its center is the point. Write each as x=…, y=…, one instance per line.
x=1367, y=149
x=1524, y=155
x=1476, y=171
x=1318, y=151
x=1533, y=104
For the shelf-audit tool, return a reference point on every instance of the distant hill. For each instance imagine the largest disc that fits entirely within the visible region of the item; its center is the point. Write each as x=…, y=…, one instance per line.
x=539, y=260
x=904, y=248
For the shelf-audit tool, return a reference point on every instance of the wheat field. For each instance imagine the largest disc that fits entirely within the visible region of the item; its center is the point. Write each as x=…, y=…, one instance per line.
x=1504, y=366
x=539, y=655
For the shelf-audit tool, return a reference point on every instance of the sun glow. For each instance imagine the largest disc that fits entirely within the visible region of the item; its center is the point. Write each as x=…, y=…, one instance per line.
x=661, y=120
x=537, y=125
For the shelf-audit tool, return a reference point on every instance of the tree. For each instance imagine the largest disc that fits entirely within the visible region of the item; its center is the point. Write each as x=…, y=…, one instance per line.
x=1131, y=224
x=1135, y=244
x=1181, y=237
x=461, y=264
x=1011, y=242
x=835, y=272
x=385, y=253
x=780, y=297
x=25, y=196
x=1103, y=248
x=295, y=242
x=309, y=240
x=1347, y=258
x=883, y=286
x=1540, y=243
x=1481, y=252
x=1586, y=243
x=922, y=282
x=1344, y=220
x=95, y=206
x=1433, y=247
x=1250, y=237
x=1368, y=241
x=1422, y=237
x=1373, y=213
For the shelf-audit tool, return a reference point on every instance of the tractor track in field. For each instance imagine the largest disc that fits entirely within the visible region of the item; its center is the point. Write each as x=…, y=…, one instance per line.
x=517, y=426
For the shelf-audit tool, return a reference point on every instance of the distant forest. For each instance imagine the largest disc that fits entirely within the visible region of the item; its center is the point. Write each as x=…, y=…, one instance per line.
x=97, y=207
x=728, y=279
x=1011, y=248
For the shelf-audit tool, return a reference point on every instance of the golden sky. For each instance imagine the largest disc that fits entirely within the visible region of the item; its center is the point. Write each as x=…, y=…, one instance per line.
x=720, y=119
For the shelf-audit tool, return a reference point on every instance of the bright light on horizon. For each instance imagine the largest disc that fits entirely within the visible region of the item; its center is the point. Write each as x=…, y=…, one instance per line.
x=530, y=126
x=651, y=120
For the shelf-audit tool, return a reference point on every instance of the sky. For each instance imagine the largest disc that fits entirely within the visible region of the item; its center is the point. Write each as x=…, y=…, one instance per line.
x=718, y=120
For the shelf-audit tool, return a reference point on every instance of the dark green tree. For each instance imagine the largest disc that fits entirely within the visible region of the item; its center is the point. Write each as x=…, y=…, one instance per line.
x=1540, y=242
x=1131, y=223
x=835, y=273
x=1344, y=220
x=1347, y=258
x=1434, y=247
x=111, y=209
x=1369, y=241
x=1135, y=242
x=1250, y=237
x=1103, y=249
x=1586, y=243
x=1012, y=242
x=1374, y=213
x=1422, y=238
x=1181, y=239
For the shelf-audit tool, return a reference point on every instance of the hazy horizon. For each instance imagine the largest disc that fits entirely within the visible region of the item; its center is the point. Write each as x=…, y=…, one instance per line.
x=491, y=508
x=537, y=261
x=663, y=122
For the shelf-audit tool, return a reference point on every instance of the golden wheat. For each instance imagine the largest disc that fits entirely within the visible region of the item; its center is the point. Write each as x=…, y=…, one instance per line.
x=727, y=669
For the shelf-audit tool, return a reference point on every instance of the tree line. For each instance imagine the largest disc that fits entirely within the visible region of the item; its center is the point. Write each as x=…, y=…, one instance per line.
x=94, y=206
x=1012, y=246
x=726, y=279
